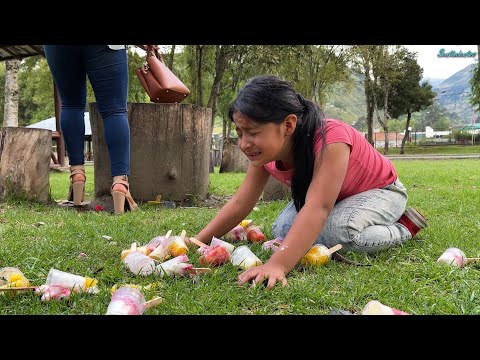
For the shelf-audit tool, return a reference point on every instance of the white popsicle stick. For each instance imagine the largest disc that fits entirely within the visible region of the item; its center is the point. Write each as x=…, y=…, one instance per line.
x=334, y=248
x=472, y=260
x=202, y=270
x=167, y=235
x=183, y=233
x=18, y=288
x=197, y=242
x=153, y=302
x=133, y=247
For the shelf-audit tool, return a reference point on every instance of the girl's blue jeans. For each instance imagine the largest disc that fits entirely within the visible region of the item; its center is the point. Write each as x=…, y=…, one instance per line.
x=107, y=71
x=365, y=222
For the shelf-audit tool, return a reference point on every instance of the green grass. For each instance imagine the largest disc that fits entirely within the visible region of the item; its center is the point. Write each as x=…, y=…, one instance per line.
x=435, y=150
x=405, y=277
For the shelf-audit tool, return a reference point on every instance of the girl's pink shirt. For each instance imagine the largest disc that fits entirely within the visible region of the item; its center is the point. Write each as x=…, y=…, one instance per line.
x=367, y=168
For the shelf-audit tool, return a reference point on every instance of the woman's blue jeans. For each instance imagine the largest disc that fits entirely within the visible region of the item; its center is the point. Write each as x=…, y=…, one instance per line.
x=107, y=71
x=365, y=222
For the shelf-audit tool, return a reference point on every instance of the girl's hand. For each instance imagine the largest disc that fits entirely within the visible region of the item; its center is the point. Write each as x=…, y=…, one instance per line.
x=264, y=272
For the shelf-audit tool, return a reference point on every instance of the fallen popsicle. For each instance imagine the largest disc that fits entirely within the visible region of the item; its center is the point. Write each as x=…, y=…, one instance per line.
x=243, y=257
x=272, y=244
x=129, y=301
x=375, y=307
x=13, y=278
x=319, y=255
x=218, y=253
x=133, y=248
x=160, y=243
x=254, y=234
x=176, y=245
x=456, y=257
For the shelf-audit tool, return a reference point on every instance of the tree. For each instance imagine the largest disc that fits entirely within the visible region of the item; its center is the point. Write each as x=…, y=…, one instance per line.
x=362, y=62
x=408, y=95
x=474, y=97
x=2, y=88
x=11, y=93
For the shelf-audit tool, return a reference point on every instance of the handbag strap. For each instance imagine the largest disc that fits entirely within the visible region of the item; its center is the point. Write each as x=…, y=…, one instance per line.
x=152, y=50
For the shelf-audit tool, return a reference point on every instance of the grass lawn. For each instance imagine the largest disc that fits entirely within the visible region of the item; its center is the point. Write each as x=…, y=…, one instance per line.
x=435, y=150
x=404, y=277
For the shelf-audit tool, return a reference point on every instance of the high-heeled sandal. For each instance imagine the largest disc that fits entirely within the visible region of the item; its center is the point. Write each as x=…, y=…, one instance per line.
x=119, y=197
x=76, y=193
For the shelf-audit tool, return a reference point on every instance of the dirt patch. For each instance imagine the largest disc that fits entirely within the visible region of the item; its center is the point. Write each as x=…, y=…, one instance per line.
x=105, y=203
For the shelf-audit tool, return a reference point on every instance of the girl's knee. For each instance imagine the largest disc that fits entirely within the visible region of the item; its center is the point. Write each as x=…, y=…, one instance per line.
x=284, y=221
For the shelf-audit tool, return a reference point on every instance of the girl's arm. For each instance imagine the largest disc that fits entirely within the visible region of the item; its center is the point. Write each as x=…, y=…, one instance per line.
x=328, y=175
x=239, y=206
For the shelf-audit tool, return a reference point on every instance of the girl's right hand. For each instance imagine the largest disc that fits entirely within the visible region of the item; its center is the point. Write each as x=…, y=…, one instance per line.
x=263, y=272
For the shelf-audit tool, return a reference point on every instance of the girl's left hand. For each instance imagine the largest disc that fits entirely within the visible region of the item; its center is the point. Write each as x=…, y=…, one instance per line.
x=264, y=272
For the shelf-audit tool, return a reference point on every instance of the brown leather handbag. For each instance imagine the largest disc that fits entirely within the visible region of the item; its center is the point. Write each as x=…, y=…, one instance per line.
x=160, y=83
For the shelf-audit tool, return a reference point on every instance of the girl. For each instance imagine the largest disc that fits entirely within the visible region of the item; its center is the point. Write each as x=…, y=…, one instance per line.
x=343, y=190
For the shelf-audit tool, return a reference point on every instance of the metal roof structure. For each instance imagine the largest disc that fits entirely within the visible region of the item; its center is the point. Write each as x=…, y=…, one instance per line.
x=49, y=124
x=8, y=52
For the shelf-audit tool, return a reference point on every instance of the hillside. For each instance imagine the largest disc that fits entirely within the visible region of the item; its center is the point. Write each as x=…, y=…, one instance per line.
x=453, y=93
x=348, y=104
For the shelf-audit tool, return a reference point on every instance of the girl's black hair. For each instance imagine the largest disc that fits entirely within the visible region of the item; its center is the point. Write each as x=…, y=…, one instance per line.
x=266, y=99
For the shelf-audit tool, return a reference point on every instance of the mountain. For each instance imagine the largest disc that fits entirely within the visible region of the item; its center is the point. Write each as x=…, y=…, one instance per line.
x=433, y=81
x=348, y=103
x=453, y=94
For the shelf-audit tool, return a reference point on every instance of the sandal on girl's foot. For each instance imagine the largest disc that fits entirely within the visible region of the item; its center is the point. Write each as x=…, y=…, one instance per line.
x=119, y=197
x=76, y=193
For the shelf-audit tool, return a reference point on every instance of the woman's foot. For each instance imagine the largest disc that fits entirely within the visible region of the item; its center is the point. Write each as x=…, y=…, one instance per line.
x=122, y=199
x=76, y=193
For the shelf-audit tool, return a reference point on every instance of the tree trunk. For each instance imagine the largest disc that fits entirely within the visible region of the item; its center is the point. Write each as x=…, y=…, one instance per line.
x=11, y=92
x=172, y=56
x=407, y=133
x=275, y=190
x=199, y=58
x=169, y=151
x=25, y=163
x=233, y=159
x=370, y=108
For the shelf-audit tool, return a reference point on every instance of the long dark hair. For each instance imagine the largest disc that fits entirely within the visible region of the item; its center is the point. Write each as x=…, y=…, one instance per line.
x=266, y=99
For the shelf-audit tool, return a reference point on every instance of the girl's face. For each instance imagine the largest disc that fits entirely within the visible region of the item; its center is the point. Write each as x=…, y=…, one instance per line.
x=263, y=143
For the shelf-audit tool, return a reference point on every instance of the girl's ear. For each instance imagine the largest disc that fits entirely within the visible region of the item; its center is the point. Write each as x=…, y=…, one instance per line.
x=290, y=124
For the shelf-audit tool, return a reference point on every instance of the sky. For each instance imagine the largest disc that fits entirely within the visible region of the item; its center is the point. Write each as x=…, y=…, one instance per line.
x=435, y=67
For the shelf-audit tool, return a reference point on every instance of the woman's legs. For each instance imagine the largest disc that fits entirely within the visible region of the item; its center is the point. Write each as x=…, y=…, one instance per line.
x=108, y=73
x=366, y=222
x=68, y=70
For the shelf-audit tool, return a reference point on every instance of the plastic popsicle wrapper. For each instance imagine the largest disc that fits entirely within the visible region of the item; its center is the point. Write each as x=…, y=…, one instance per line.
x=12, y=277
x=157, y=241
x=272, y=244
x=53, y=292
x=145, y=250
x=176, y=245
x=177, y=265
x=375, y=307
x=126, y=301
x=75, y=282
x=215, y=256
x=243, y=257
x=139, y=264
x=255, y=234
x=236, y=234
x=319, y=255
x=453, y=256
x=215, y=241
x=160, y=252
